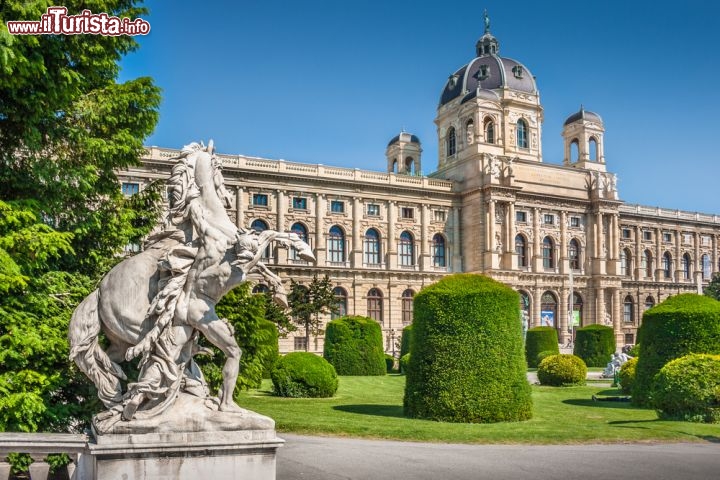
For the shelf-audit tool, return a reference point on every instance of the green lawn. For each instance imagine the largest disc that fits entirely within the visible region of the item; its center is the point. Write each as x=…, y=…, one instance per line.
x=372, y=407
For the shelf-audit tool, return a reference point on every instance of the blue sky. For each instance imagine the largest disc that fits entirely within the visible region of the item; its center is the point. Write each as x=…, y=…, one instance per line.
x=332, y=81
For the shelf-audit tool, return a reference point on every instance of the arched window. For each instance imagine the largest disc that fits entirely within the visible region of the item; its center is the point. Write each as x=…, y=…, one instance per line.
x=649, y=302
x=667, y=265
x=574, y=150
x=439, y=254
x=407, y=306
x=301, y=231
x=593, y=149
x=489, y=128
x=574, y=254
x=577, y=307
x=470, y=131
x=521, y=250
x=375, y=305
x=410, y=166
x=260, y=288
x=394, y=166
x=340, y=303
x=451, y=142
x=548, y=309
x=548, y=253
x=260, y=226
x=628, y=310
x=625, y=262
x=686, y=262
x=372, y=247
x=406, y=249
x=646, y=264
x=336, y=245
x=522, y=134
x=706, y=267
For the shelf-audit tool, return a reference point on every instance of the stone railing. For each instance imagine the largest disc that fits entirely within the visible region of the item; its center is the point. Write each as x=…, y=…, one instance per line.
x=39, y=446
x=669, y=213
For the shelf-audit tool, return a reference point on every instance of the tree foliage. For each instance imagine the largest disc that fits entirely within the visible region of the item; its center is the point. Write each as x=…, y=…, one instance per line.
x=66, y=126
x=308, y=302
x=713, y=288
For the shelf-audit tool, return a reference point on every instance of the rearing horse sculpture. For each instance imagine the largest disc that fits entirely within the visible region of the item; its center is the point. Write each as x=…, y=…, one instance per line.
x=155, y=303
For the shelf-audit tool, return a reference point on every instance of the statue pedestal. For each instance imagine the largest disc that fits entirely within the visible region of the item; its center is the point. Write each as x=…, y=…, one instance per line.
x=189, y=441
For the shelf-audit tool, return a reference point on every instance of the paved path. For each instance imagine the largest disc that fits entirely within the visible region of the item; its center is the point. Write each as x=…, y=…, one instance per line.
x=324, y=458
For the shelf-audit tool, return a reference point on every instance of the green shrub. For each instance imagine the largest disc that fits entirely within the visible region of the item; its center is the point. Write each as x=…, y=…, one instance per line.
x=467, y=360
x=544, y=354
x=354, y=346
x=540, y=339
x=634, y=351
x=680, y=325
x=405, y=340
x=688, y=388
x=595, y=344
x=304, y=374
x=562, y=370
x=389, y=363
x=404, y=362
x=627, y=375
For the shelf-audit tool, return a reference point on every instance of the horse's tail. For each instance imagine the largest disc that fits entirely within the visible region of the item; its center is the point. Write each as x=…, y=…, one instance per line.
x=87, y=354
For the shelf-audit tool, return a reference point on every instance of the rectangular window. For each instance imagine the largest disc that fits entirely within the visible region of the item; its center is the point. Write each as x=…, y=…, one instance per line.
x=626, y=233
x=549, y=219
x=647, y=235
x=688, y=238
x=130, y=188
x=705, y=240
x=574, y=221
x=373, y=210
x=299, y=203
x=439, y=215
x=260, y=200
x=521, y=217
x=337, y=206
x=407, y=212
x=629, y=339
x=667, y=237
x=300, y=343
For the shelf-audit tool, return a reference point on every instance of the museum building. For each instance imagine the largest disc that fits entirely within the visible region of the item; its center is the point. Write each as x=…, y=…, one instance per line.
x=559, y=234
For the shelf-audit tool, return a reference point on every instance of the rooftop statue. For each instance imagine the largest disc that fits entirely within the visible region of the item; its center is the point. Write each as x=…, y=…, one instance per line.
x=156, y=303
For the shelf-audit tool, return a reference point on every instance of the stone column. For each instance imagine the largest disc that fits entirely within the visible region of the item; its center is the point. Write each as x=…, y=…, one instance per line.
x=618, y=319
x=392, y=260
x=457, y=263
x=659, y=276
x=536, y=307
x=678, y=264
x=356, y=256
x=564, y=257
x=600, y=306
x=509, y=262
x=320, y=244
x=537, y=252
x=638, y=254
x=714, y=256
x=425, y=262
x=563, y=315
x=240, y=214
x=490, y=257
x=698, y=261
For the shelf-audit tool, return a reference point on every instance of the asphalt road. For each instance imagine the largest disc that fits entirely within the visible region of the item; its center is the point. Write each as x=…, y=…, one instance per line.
x=325, y=458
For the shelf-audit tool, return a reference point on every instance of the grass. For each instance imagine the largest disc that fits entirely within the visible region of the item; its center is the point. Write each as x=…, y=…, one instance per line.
x=371, y=407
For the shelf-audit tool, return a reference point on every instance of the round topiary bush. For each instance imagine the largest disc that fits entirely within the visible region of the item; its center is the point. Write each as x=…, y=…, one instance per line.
x=404, y=362
x=389, y=363
x=540, y=339
x=405, y=341
x=627, y=375
x=544, y=354
x=467, y=360
x=304, y=374
x=688, y=388
x=595, y=344
x=354, y=346
x=680, y=325
x=562, y=370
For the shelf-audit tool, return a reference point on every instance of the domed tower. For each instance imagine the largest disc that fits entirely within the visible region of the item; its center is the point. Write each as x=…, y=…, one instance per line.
x=492, y=106
x=583, y=138
x=403, y=154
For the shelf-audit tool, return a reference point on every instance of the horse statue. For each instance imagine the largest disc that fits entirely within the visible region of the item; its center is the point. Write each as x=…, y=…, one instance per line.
x=156, y=303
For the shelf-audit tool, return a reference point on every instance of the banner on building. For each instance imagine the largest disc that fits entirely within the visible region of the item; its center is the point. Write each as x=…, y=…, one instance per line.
x=576, y=318
x=548, y=318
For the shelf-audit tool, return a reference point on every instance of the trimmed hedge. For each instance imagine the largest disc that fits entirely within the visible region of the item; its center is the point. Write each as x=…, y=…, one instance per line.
x=688, y=388
x=405, y=340
x=389, y=363
x=627, y=375
x=562, y=370
x=354, y=346
x=304, y=374
x=467, y=360
x=682, y=324
x=404, y=362
x=595, y=344
x=540, y=339
x=544, y=354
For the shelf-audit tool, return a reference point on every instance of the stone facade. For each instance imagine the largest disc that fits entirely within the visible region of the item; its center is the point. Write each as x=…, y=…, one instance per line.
x=492, y=206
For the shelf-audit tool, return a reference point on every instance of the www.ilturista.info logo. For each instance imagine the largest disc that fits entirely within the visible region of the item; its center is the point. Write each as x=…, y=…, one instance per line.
x=57, y=22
